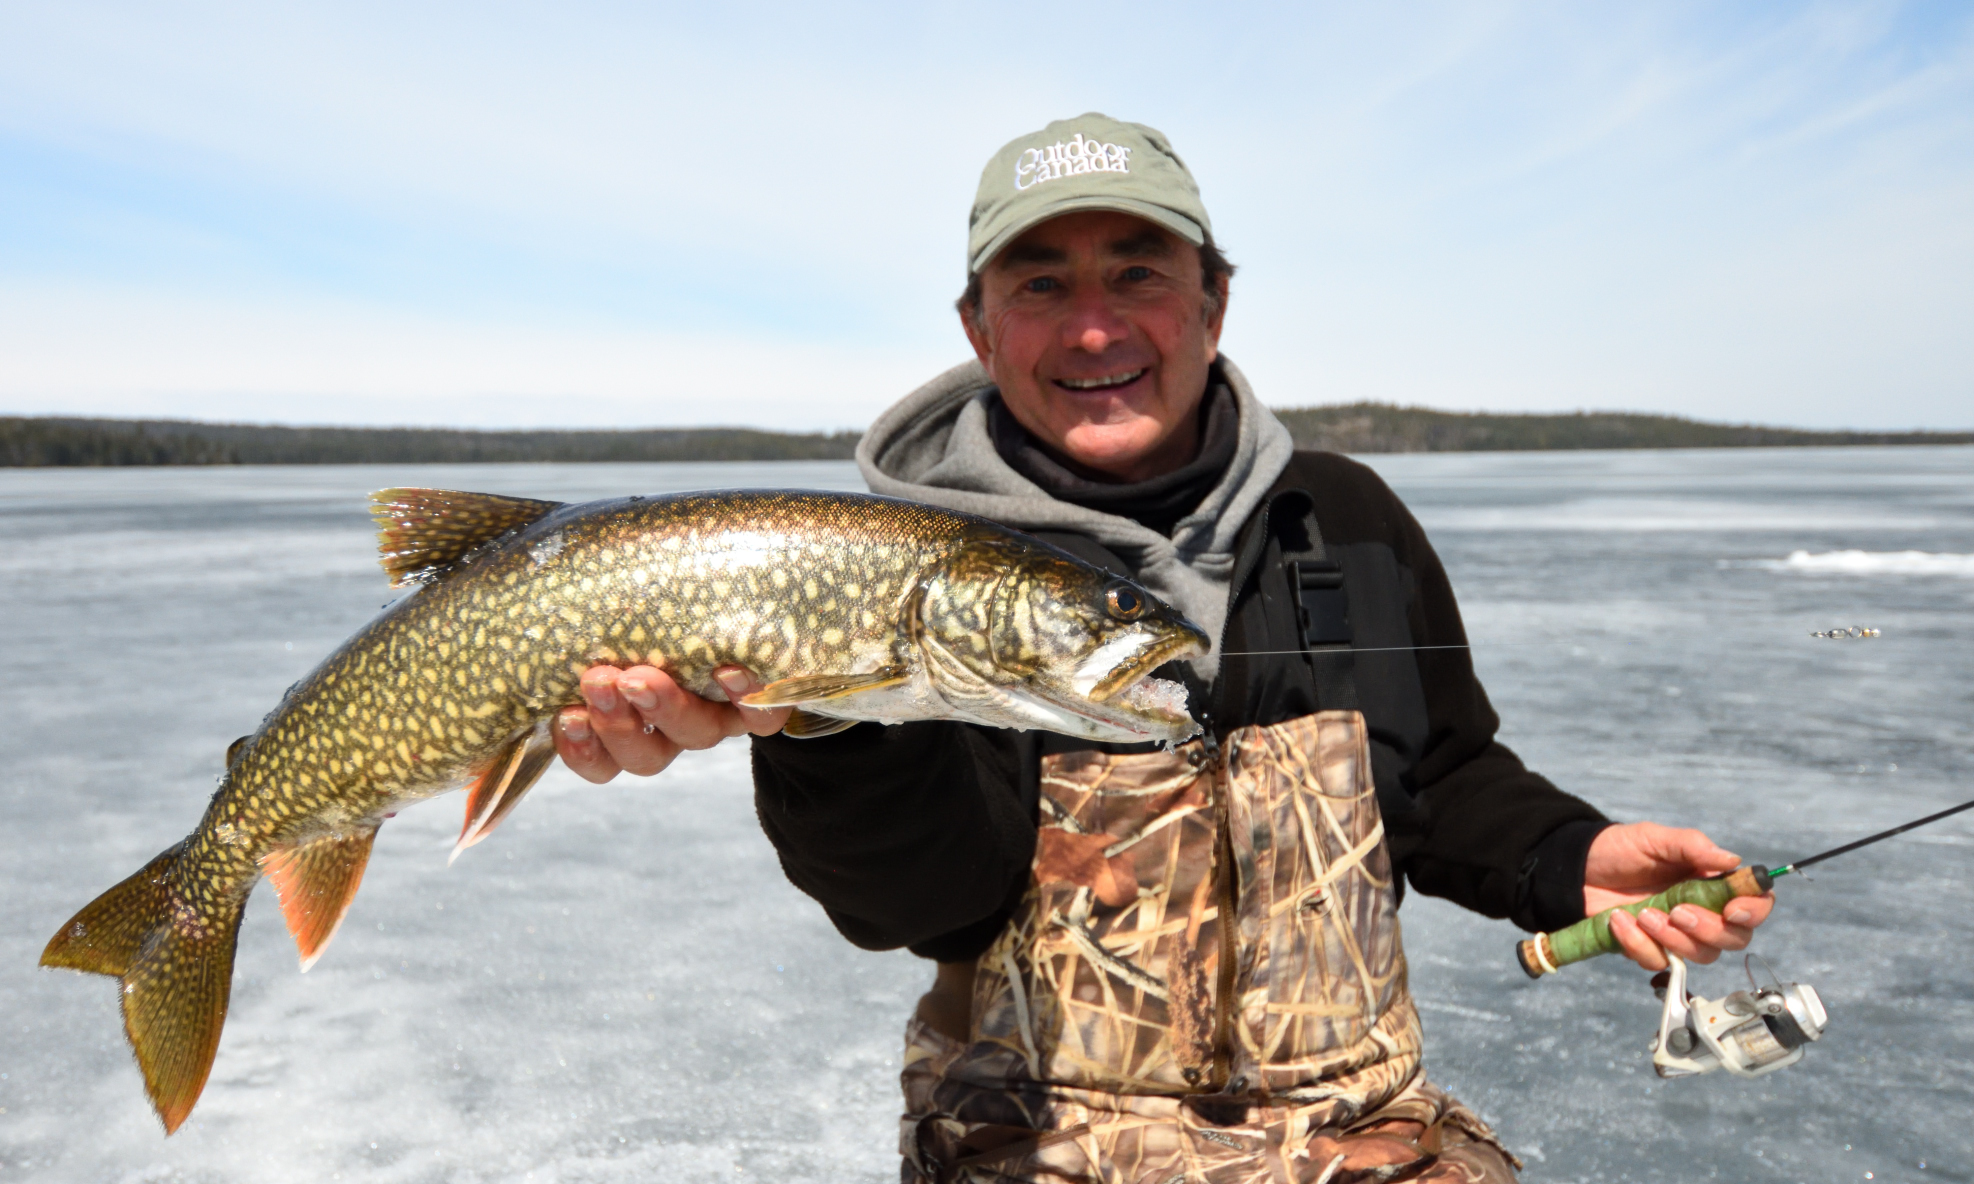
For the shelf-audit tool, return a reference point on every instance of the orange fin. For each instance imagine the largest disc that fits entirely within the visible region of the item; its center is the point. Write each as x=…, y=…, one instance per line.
x=177, y=972
x=808, y=725
x=420, y=532
x=316, y=883
x=807, y=688
x=513, y=773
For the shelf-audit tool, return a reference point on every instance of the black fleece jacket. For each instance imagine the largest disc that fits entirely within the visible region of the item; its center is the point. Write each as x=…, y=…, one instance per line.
x=922, y=834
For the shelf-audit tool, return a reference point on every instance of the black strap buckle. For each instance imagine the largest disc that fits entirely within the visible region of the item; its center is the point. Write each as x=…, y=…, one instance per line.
x=1324, y=603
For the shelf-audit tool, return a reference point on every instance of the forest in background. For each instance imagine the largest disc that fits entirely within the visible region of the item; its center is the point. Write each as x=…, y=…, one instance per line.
x=37, y=441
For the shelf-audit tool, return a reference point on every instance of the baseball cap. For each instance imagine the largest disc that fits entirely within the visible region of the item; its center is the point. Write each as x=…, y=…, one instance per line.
x=1091, y=162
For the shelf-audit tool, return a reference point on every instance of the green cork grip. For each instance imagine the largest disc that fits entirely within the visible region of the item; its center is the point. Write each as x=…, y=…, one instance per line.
x=1546, y=953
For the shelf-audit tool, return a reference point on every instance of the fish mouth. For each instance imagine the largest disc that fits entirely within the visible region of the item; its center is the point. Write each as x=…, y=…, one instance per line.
x=1131, y=675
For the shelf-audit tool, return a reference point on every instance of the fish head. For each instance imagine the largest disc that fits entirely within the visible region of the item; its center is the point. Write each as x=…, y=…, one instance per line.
x=1026, y=636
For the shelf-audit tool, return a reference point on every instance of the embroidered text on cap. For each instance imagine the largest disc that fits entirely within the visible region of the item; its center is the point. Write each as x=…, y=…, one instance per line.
x=1066, y=159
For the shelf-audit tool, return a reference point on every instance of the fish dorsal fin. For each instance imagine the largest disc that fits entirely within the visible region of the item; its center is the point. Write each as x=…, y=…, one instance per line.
x=808, y=725
x=316, y=882
x=233, y=750
x=420, y=532
x=512, y=773
x=807, y=688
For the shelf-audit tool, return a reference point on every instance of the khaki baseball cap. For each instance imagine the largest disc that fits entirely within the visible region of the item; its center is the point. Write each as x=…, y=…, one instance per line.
x=1091, y=162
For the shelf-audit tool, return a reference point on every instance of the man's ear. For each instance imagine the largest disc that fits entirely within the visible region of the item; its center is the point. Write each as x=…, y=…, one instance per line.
x=1216, y=318
x=976, y=334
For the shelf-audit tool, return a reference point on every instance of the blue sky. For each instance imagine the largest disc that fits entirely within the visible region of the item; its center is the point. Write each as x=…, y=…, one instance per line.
x=615, y=214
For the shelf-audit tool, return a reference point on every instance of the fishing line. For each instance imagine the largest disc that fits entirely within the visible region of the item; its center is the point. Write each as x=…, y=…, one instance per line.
x=1858, y=632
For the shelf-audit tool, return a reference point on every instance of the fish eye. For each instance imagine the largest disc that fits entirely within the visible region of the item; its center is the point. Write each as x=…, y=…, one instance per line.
x=1126, y=603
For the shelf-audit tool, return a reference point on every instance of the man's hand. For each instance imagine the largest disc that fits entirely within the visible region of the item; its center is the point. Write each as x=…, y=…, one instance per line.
x=639, y=720
x=1634, y=861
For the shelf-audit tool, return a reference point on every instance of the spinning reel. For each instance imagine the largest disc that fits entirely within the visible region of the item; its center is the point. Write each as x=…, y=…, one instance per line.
x=1748, y=1033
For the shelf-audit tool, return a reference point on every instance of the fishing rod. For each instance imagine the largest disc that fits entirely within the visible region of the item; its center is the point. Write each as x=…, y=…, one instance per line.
x=1748, y=1033
x=1546, y=953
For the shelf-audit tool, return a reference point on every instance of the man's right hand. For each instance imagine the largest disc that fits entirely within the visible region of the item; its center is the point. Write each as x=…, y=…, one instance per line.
x=639, y=720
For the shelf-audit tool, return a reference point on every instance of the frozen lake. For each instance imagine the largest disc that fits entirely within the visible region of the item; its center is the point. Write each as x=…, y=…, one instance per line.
x=621, y=986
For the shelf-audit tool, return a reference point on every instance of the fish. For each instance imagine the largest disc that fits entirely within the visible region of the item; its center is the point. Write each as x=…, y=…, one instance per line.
x=845, y=608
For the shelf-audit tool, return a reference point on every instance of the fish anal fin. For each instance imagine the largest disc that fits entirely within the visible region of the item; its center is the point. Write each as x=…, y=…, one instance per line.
x=316, y=883
x=511, y=774
x=808, y=725
x=810, y=688
x=420, y=531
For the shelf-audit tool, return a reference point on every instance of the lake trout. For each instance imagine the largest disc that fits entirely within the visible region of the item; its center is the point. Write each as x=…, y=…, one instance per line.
x=845, y=607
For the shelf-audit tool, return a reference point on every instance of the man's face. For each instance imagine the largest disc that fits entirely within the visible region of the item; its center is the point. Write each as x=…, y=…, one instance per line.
x=1094, y=326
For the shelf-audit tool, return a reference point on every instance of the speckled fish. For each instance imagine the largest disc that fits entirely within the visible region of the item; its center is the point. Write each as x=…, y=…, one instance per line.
x=846, y=607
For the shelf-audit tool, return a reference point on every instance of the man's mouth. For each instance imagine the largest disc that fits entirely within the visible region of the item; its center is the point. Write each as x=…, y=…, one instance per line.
x=1105, y=383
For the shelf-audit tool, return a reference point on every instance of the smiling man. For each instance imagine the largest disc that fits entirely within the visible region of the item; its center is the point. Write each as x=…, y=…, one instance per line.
x=1170, y=965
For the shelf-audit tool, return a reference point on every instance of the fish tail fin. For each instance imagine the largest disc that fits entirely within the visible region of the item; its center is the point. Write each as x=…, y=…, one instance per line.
x=109, y=932
x=176, y=967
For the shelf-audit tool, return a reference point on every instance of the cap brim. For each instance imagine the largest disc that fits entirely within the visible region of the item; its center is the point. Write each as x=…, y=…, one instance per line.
x=1158, y=215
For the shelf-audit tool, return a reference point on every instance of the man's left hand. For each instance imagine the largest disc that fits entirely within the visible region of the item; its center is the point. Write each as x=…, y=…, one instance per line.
x=1636, y=860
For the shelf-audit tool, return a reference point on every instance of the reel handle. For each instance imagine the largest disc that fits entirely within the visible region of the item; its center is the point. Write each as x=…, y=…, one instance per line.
x=1546, y=953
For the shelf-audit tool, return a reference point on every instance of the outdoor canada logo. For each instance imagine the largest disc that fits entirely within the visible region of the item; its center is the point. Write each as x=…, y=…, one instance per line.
x=1065, y=160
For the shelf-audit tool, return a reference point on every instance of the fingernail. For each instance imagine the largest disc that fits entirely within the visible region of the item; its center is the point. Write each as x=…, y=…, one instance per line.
x=639, y=693
x=601, y=697
x=575, y=725
x=1738, y=916
x=733, y=682
x=1652, y=919
x=1684, y=918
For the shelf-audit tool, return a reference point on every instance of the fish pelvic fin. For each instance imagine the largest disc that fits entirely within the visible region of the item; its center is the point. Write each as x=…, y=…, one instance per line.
x=809, y=688
x=420, y=532
x=511, y=774
x=176, y=965
x=315, y=883
x=808, y=725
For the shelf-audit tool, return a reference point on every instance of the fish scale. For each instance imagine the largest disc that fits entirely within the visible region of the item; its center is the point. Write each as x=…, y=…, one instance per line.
x=845, y=607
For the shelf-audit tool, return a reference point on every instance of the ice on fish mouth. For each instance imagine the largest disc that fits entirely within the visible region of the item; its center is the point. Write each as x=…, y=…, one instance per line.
x=1160, y=695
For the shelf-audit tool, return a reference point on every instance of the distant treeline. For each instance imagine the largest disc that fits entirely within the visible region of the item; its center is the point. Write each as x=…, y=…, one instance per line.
x=39, y=441
x=1355, y=427
x=1382, y=427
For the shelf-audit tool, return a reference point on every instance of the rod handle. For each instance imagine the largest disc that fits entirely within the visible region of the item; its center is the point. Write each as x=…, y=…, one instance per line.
x=1546, y=953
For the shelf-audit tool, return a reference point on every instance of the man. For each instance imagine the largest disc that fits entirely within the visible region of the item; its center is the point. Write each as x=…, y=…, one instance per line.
x=1185, y=965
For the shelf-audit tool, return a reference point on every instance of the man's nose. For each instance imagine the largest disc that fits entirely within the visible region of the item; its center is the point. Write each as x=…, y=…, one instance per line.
x=1093, y=327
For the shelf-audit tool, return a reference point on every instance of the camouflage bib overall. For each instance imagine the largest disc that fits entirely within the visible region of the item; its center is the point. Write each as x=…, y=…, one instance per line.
x=1204, y=983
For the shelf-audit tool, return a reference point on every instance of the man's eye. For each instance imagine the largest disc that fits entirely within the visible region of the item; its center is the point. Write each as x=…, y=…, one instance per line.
x=1041, y=283
x=1135, y=274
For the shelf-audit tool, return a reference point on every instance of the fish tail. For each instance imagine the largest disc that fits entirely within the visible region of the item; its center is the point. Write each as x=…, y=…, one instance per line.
x=176, y=966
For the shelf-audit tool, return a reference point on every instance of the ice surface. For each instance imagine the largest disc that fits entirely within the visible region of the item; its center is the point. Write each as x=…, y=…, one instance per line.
x=1881, y=563
x=619, y=984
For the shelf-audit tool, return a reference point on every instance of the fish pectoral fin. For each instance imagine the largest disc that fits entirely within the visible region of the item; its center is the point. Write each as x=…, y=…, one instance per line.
x=512, y=773
x=316, y=883
x=809, y=688
x=420, y=531
x=807, y=725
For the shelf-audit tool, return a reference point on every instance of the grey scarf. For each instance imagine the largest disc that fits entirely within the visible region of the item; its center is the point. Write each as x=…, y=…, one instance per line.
x=934, y=446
